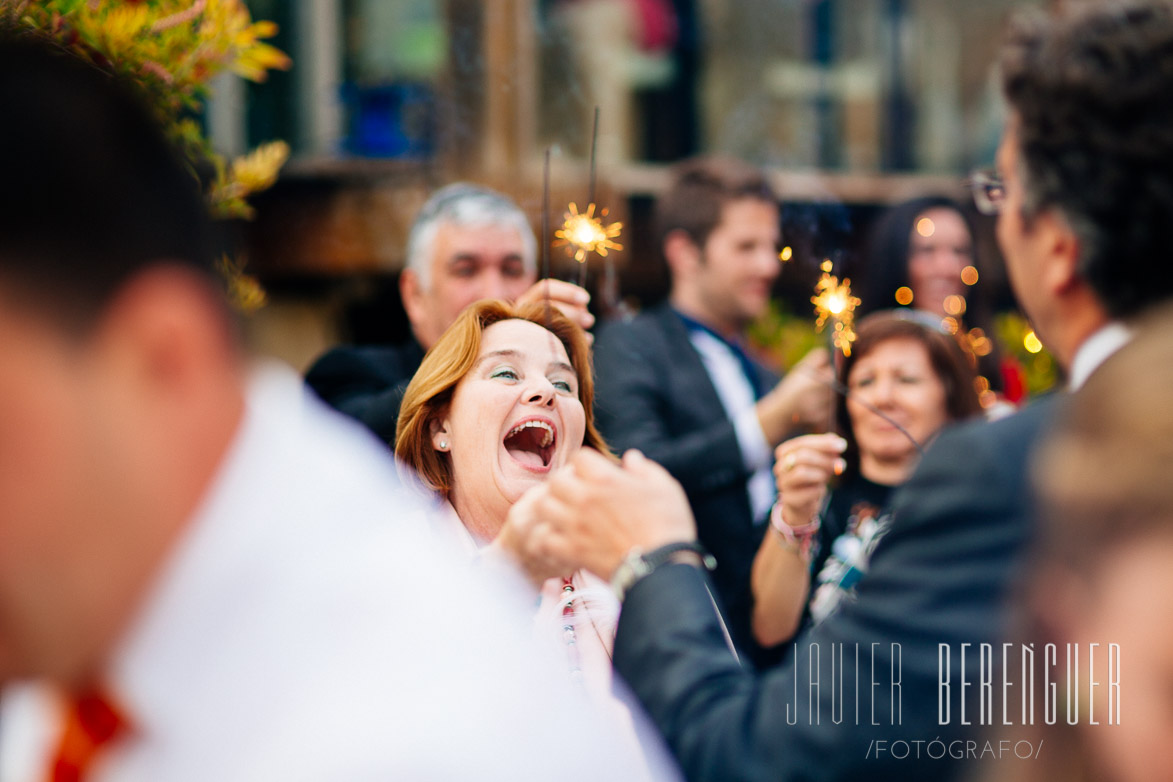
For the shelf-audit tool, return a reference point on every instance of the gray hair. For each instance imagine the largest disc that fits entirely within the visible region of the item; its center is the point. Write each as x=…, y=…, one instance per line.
x=465, y=205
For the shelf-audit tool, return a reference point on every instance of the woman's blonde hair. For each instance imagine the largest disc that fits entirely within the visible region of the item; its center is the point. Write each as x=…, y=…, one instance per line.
x=453, y=356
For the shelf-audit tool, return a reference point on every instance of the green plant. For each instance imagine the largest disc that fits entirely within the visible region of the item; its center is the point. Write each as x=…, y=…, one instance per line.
x=1017, y=339
x=172, y=49
x=781, y=338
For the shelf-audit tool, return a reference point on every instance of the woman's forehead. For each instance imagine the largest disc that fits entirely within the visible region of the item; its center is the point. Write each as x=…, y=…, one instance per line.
x=902, y=346
x=524, y=338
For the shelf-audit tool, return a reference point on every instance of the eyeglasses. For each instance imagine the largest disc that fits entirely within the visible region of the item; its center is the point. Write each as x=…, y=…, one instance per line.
x=989, y=191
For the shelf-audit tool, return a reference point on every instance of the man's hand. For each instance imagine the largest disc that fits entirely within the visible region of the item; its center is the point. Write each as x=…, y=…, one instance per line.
x=593, y=512
x=803, y=398
x=510, y=543
x=569, y=299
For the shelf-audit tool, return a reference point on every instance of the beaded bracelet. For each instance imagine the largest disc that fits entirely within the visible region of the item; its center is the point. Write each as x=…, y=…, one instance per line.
x=798, y=539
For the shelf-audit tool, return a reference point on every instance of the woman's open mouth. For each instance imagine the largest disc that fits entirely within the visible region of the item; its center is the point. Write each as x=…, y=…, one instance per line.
x=531, y=443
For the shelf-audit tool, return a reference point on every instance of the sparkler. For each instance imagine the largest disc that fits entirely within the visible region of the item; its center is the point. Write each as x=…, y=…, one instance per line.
x=833, y=301
x=587, y=234
x=583, y=232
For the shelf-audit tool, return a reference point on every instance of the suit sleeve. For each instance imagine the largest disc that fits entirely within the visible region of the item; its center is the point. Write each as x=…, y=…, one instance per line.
x=358, y=385
x=639, y=392
x=939, y=577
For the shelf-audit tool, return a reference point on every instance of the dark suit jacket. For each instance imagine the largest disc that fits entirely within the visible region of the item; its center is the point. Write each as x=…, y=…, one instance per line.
x=367, y=383
x=940, y=576
x=654, y=393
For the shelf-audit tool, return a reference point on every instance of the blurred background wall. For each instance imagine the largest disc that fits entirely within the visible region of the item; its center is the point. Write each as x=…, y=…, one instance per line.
x=850, y=104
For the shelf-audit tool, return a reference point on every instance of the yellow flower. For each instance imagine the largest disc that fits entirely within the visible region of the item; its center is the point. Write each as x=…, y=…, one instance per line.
x=244, y=291
x=258, y=169
x=123, y=24
x=253, y=62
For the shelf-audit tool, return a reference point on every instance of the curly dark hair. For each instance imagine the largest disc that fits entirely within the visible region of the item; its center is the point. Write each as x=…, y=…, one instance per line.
x=1092, y=92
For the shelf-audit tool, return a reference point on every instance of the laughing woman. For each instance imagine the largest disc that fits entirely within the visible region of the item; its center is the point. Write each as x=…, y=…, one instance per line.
x=501, y=400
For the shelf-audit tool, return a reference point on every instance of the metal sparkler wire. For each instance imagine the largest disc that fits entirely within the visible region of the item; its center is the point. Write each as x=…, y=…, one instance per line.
x=594, y=157
x=546, y=232
x=845, y=392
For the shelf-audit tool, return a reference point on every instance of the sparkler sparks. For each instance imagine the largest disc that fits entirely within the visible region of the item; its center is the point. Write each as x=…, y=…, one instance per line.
x=833, y=301
x=586, y=233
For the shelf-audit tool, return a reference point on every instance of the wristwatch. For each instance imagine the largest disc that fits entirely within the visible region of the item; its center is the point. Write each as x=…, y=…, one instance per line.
x=637, y=564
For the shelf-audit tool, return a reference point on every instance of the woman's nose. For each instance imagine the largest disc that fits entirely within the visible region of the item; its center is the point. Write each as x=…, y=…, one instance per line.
x=541, y=392
x=493, y=285
x=882, y=391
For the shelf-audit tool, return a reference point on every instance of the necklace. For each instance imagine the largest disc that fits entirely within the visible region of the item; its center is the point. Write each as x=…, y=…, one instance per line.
x=568, y=632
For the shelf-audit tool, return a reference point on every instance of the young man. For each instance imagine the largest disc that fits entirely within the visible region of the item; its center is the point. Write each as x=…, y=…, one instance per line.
x=895, y=684
x=677, y=383
x=220, y=580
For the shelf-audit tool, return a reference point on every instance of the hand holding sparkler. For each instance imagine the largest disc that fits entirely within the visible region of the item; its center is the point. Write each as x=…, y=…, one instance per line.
x=803, y=466
x=568, y=298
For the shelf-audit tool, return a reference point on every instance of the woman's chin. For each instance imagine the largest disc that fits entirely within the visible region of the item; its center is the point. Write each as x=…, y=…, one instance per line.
x=517, y=478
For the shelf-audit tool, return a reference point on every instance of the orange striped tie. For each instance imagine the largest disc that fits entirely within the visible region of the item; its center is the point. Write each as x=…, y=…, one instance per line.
x=91, y=723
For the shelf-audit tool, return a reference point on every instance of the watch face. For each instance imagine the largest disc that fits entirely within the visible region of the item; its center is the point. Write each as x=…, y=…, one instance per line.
x=631, y=569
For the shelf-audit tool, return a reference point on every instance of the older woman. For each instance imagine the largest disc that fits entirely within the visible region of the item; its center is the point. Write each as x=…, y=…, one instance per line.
x=502, y=399
x=906, y=379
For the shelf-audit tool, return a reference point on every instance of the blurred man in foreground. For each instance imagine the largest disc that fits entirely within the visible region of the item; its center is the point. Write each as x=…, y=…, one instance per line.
x=218, y=580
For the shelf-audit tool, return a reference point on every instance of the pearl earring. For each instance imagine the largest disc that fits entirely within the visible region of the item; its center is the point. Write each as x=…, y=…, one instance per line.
x=443, y=445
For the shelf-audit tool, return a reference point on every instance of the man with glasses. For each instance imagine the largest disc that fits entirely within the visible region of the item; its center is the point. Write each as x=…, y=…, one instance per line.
x=988, y=191
x=895, y=684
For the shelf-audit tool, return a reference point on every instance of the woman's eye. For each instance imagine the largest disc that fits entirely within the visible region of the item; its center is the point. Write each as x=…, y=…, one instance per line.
x=563, y=386
x=863, y=382
x=506, y=374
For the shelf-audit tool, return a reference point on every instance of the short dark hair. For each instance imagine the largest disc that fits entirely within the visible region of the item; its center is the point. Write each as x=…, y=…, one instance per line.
x=950, y=363
x=1090, y=89
x=91, y=192
x=699, y=189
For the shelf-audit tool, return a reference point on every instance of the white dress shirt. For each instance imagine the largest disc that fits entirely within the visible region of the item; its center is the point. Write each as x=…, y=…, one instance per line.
x=1095, y=350
x=309, y=627
x=738, y=398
